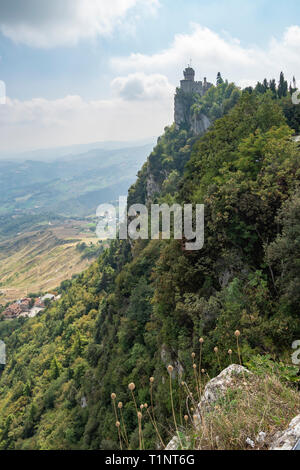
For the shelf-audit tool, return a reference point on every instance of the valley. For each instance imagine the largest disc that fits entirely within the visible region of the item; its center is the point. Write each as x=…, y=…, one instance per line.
x=48, y=209
x=69, y=186
x=40, y=260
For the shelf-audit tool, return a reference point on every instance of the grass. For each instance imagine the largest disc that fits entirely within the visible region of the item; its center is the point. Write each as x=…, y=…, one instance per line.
x=263, y=401
x=259, y=404
x=39, y=261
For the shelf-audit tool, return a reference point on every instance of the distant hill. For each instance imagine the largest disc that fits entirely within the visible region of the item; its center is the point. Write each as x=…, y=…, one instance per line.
x=40, y=260
x=71, y=186
x=51, y=154
x=48, y=207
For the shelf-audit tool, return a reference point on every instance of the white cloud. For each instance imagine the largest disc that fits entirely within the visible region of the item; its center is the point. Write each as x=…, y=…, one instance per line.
x=41, y=123
x=139, y=86
x=212, y=52
x=142, y=102
x=49, y=23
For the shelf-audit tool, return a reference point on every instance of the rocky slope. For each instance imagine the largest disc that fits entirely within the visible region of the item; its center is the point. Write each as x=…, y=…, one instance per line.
x=144, y=305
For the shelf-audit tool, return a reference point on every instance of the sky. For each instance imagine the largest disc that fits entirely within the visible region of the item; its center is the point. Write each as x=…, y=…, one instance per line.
x=80, y=71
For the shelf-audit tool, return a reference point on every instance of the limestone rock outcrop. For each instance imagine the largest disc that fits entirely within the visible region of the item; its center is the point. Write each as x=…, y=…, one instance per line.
x=287, y=439
x=217, y=387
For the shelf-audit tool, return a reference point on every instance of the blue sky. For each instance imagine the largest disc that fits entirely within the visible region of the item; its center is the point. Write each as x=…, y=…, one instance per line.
x=90, y=58
x=84, y=69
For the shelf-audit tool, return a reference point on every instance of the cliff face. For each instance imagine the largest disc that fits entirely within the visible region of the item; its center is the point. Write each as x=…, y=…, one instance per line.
x=173, y=149
x=184, y=100
x=153, y=186
x=161, y=173
x=200, y=124
x=184, y=117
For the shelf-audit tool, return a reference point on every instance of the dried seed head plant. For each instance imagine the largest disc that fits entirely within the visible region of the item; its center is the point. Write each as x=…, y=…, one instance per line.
x=140, y=416
x=170, y=370
x=152, y=414
x=120, y=407
x=216, y=350
x=201, y=341
x=113, y=397
x=237, y=334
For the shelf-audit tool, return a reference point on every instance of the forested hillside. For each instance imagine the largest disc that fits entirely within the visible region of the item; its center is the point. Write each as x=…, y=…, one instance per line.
x=144, y=305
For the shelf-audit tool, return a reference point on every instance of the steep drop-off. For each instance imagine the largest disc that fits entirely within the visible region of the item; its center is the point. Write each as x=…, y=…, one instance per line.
x=144, y=305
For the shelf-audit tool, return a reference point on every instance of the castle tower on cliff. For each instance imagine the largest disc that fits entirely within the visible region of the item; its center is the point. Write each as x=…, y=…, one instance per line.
x=184, y=100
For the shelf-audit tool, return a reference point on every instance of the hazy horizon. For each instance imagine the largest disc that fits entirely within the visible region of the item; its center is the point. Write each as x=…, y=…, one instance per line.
x=51, y=153
x=87, y=71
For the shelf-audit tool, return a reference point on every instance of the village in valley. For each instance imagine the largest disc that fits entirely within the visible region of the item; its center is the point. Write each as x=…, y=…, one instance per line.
x=28, y=307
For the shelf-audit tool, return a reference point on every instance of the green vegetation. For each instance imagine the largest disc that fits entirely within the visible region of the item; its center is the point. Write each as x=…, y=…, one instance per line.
x=218, y=100
x=139, y=308
x=39, y=260
x=164, y=166
x=264, y=401
x=93, y=250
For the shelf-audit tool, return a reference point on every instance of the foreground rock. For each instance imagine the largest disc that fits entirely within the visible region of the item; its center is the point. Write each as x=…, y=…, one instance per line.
x=233, y=378
x=214, y=390
x=174, y=444
x=288, y=439
x=217, y=387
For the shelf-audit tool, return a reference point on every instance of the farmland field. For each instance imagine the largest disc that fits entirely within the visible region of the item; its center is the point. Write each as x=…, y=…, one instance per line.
x=40, y=260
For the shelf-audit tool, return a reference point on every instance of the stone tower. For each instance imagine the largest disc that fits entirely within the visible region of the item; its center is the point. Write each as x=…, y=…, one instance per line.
x=184, y=99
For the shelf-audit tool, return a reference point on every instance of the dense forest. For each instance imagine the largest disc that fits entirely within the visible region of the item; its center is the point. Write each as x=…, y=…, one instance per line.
x=144, y=305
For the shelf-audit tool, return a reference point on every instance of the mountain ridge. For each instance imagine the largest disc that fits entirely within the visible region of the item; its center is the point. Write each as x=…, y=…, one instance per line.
x=136, y=315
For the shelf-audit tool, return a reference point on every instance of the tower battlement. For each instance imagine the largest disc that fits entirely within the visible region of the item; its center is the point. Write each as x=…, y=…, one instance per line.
x=189, y=74
x=189, y=85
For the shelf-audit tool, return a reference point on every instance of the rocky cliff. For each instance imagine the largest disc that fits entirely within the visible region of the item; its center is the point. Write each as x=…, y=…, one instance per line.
x=185, y=98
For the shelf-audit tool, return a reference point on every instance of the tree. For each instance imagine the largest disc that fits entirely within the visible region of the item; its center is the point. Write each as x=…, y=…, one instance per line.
x=273, y=87
x=29, y=424
x=219, y=79
x=284, y=252
x=282, y=87
x=5, y=439
x=266, y=84
x=77, y=346
x=55, y=368
x=294, y=83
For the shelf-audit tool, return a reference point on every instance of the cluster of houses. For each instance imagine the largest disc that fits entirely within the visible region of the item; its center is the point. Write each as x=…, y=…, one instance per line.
x=28, y=307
